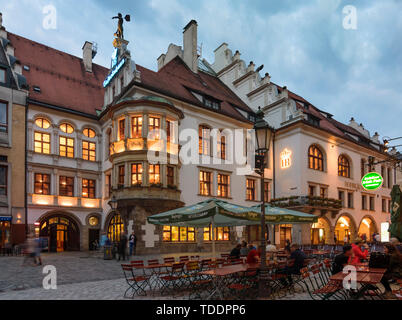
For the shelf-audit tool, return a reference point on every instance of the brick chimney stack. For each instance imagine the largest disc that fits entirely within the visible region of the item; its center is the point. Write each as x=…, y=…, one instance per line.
x=87, y=56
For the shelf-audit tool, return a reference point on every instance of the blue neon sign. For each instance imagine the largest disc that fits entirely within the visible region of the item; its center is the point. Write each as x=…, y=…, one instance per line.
x=114, y=72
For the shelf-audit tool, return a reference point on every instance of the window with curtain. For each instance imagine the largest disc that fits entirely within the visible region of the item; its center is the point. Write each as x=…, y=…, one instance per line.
x=250, y=189
x=205, y=183
x=42, y=184
x=136, y=127
x=315, y=158
x=42, y=143
x=178, y=234
x=136, y=174
x=122, y=129
x=223, y=185
x=221, y=234
x=66, y=186
x=154, y=174
x=343, y=167
x=204, y=143
x=154, y=127
x=88, y=151
x=88, y=188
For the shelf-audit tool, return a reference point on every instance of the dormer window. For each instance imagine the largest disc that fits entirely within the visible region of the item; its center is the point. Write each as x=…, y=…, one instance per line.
x=313, y=120
x=211, y=103
x=2, y=75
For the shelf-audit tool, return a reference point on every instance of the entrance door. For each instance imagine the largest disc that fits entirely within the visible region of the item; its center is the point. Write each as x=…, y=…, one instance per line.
x=317, y=236
x=62, y=232
x=93, y=236
x=285, y=234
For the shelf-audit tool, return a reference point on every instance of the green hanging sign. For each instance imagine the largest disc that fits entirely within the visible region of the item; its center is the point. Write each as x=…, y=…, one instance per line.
x=372, y=181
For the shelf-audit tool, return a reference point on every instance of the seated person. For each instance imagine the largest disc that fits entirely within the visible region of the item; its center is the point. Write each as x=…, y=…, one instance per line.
x=396, y=243
x=341, y=260
x=235, y=253
x=253, y=255
x=271, y=249
x=244, y=250
x=298, y=257
x=360, y=251
x=394, y=270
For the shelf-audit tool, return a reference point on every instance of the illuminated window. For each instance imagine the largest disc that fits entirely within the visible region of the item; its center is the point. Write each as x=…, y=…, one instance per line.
x=170, y=131
x=221, y=234
x=154, y=128
x=136, y=174
x=250, y=189
x=205, y=183
x=154, y=174
x=3, y=180
x=136, y=127
x=178, y=234
x=343, y=167
x=66, y=147
x=88, y=188
x=42, y=184
x=315, y=158
x=42, y=142
x=66, y=128
x=267, y=191
x=66, y=186
x=223, y=185
x=42, y=123
x=122, y=129
x=122, y=173
x=3, y=117
x=170, y=176
x=222, y=146
x=115, y=229
x=204, y=142
x=88, y=151
x=89, y=133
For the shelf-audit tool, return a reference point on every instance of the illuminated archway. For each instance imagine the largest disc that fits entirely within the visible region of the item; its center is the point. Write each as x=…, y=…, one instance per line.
x=321, y=232
x=115, y=228
x=367, y=228
x=345, y=229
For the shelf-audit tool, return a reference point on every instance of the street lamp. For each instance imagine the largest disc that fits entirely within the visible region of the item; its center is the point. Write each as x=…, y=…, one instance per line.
x=113, y=203
x=263, y=134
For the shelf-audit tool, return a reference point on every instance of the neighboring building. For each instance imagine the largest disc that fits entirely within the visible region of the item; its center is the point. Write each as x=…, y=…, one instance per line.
x=64, y=148
x=12, y=145
x=319, y=162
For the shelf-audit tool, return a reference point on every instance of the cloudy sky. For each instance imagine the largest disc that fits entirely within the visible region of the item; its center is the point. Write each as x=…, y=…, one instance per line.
x=302, y=44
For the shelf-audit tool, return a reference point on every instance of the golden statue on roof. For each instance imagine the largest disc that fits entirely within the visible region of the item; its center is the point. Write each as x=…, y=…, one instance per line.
x=119, y=35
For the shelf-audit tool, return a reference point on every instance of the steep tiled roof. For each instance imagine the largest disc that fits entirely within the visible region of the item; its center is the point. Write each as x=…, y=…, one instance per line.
x=61, y=77
x=177, y=80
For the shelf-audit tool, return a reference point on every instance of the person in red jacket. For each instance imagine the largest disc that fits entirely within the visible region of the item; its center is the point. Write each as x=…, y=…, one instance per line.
x=360, y=251
x=253, y=255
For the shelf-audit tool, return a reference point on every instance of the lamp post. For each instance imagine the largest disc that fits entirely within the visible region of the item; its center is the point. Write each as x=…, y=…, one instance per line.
x=263, y=134
x=113, y=203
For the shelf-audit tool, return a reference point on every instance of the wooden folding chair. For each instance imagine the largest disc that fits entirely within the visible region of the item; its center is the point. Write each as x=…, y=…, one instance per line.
x=137, y=284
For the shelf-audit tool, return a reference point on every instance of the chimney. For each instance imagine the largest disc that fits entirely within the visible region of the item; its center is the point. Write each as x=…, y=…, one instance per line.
x=87, y=56
x=190, y=54
x=1, y=20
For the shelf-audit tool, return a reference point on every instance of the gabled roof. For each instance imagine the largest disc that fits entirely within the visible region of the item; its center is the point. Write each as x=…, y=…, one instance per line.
x=61, y=77
x=176, y=80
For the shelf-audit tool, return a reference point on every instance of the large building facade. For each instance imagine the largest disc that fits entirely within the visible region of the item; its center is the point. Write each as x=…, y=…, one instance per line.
x=319, y=162
x=155, y=141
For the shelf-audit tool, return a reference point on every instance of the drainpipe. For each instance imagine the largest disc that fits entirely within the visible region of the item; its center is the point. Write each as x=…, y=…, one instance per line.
x=273, y=181
x=26, y=167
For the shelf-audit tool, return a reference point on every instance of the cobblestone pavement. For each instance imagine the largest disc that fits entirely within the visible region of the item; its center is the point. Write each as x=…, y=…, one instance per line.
x=97, y=290
x=72, y=267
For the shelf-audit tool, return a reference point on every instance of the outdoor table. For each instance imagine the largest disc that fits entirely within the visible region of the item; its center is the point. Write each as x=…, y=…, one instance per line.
x=219, y=276
x=365, y=279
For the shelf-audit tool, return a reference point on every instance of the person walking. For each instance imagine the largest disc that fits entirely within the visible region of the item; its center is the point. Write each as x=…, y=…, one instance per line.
x=132, y=243
x=122, y=246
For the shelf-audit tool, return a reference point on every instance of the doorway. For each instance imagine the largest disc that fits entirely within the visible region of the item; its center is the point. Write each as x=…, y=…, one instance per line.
x=285, y=234
x=62, y=232
x=93, y=236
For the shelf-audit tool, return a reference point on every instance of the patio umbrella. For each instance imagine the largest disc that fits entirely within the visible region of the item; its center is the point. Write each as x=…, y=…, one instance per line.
x=276, y=215
x=214, y=212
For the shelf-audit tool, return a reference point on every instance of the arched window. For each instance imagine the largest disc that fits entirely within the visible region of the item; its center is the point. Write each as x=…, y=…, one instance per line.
x=67, y=128
x=89, y=133
x=343, y=167
x=315, y=158
x=204, y=140
x=42, y=123
x=115, y=229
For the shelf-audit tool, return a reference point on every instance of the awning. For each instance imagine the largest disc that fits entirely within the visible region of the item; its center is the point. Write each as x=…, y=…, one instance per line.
x=275, y=215
x=6, y=218
x=223, y=214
